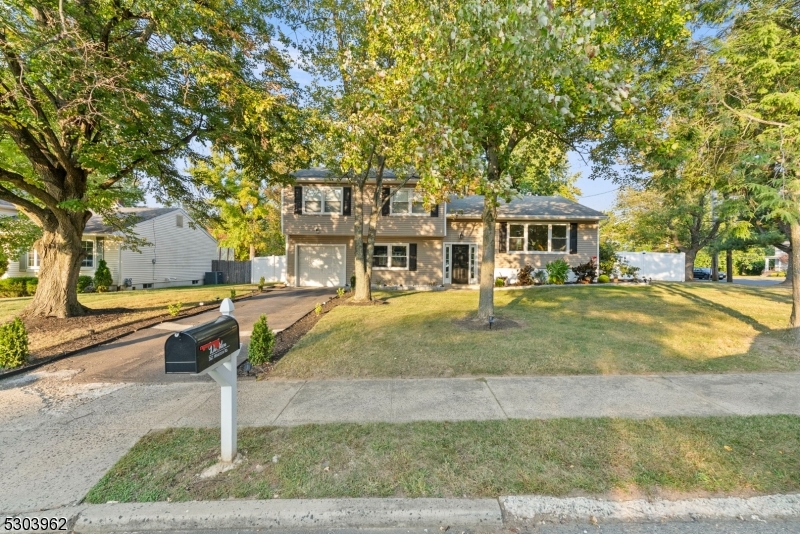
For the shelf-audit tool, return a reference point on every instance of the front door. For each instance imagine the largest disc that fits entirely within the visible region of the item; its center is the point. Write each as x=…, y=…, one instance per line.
x=461, y=264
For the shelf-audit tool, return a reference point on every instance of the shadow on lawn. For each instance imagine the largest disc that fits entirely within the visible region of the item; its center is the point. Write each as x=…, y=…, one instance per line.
x=719, y=307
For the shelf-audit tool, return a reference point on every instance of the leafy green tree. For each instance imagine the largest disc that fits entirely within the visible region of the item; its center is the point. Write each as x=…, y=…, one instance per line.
x=98, y=97
x=359, y=55
x=758, y=88
x=243, y=211
x=492, y=74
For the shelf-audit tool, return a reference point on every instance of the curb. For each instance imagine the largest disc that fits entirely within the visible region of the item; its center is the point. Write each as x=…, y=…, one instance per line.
x=413, y=513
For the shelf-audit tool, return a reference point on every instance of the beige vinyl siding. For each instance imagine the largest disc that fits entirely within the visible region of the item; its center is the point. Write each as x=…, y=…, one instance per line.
x=341, y=225
x=587, y=248
x=429, y=260
x=429, y=265
x=472, y=231
x=182, y=254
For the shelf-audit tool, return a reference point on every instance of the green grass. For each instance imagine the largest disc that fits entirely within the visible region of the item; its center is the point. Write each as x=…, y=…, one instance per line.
x=567, y=330
x=679, y=455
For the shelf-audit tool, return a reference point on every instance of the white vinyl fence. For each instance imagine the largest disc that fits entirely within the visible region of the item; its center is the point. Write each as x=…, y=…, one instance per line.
x=664, y=266
x=272, y=268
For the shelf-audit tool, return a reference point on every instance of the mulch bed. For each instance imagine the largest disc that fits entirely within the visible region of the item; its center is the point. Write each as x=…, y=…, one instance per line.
x=286, y=339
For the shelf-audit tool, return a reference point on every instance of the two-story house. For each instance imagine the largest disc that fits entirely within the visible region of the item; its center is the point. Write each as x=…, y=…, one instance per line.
x=416, y=246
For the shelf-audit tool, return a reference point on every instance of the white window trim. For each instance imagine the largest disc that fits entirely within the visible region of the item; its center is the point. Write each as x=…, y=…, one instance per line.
x=36, y=265
x=322, y=189
x=410, y=205
x=94, y=254
x=549, y=250
x=389, y=253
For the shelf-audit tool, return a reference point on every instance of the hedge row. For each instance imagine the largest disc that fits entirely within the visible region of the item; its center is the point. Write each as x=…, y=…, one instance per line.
x=23, y=286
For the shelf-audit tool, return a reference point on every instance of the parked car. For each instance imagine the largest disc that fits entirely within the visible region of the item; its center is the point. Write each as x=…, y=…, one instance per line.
x=704, y=273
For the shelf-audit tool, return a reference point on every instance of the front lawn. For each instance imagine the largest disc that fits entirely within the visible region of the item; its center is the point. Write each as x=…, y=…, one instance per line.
x=605, y=457
x=667, y=327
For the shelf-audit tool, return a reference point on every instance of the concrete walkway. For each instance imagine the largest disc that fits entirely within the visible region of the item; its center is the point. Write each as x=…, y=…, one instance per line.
x=58, y=436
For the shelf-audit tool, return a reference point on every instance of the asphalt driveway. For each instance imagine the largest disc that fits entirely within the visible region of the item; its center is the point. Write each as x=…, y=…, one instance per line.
x=139, y=357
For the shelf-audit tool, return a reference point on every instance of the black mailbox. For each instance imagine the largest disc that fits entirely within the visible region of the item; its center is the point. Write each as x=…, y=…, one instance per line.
x=198, y=348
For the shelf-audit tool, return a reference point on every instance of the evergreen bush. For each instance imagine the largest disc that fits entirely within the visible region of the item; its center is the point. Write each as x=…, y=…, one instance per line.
x=603, y=279
x=102, y=277
x=84, y=282
x=262, y=341
x=13, y=344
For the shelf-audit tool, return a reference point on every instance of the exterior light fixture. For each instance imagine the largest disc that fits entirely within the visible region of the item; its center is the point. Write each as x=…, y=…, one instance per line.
x=491, y=321
x=317, y=229
x=461, y=236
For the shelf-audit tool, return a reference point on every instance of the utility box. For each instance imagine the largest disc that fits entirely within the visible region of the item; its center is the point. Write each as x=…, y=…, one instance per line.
x=201, y=347
x=213, y=277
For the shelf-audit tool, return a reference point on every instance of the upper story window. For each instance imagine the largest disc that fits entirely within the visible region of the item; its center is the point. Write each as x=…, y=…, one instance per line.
x=538, y=237
x=322, y=200
x=88, y=249
x=407, y=202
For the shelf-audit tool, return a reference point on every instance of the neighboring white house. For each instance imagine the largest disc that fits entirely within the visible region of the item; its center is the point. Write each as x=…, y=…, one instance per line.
x=7, y=209
x=779, y=261
x=177, y=254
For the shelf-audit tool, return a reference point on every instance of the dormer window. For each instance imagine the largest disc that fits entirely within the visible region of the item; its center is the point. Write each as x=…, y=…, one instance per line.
x=408, y=202
x=322, y=200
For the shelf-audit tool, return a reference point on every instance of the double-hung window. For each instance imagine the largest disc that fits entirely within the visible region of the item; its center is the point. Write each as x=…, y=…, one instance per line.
x=88, y=249
x=33, y=259
x=322, y=200
x=390, y=257
x=536, y=237
x=408, y=202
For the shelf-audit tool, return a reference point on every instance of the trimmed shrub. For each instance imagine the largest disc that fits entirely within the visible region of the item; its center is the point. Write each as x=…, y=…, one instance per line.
x=262, y=341
x=340, y=292
x=525, y=276
x=84, y=281
x=557, y=271
x=318, y=308
x=353, y=282
x=233, y=294
x=102, y=277
x=603, y=279
x=20, y=286
x=499, y=282
x=261, y=283
x=13, y=344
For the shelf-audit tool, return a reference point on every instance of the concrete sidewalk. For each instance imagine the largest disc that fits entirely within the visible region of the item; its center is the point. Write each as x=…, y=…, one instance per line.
x=59, y=436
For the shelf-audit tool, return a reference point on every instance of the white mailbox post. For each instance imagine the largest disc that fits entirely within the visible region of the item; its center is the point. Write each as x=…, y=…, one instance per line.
x=211, y=348
x=225, y=375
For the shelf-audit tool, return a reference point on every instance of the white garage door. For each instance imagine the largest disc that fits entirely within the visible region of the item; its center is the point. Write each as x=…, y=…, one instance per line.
x=321, y=266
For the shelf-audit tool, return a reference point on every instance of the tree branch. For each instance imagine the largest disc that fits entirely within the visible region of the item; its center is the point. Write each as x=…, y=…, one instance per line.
x=17, y=180
x=754, y=119
x=26, y=205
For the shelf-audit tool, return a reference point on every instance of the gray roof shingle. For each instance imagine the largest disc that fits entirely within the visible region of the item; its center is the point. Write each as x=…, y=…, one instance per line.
x=526, y=207
x=95, y=225
x=316, y=174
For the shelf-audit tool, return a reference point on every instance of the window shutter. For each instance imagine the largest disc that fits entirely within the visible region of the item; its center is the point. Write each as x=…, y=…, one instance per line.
x=347, y=195
x=23, y=261
x=298, y=199
x=503, y=237
x=412, y=257
x=435, y=211
x=364, y=248
x=384, y=196
x=573, y=238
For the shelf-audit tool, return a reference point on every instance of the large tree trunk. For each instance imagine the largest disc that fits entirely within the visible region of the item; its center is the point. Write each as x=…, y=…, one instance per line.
x=60, y=255
x=363, y=288
x=794, y=236
x=691, y=254
x=252, y=252
x=486, y=299
x=790, y=264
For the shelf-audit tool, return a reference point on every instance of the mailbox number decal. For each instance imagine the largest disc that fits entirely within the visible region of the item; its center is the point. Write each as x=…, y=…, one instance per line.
x=215, y=348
